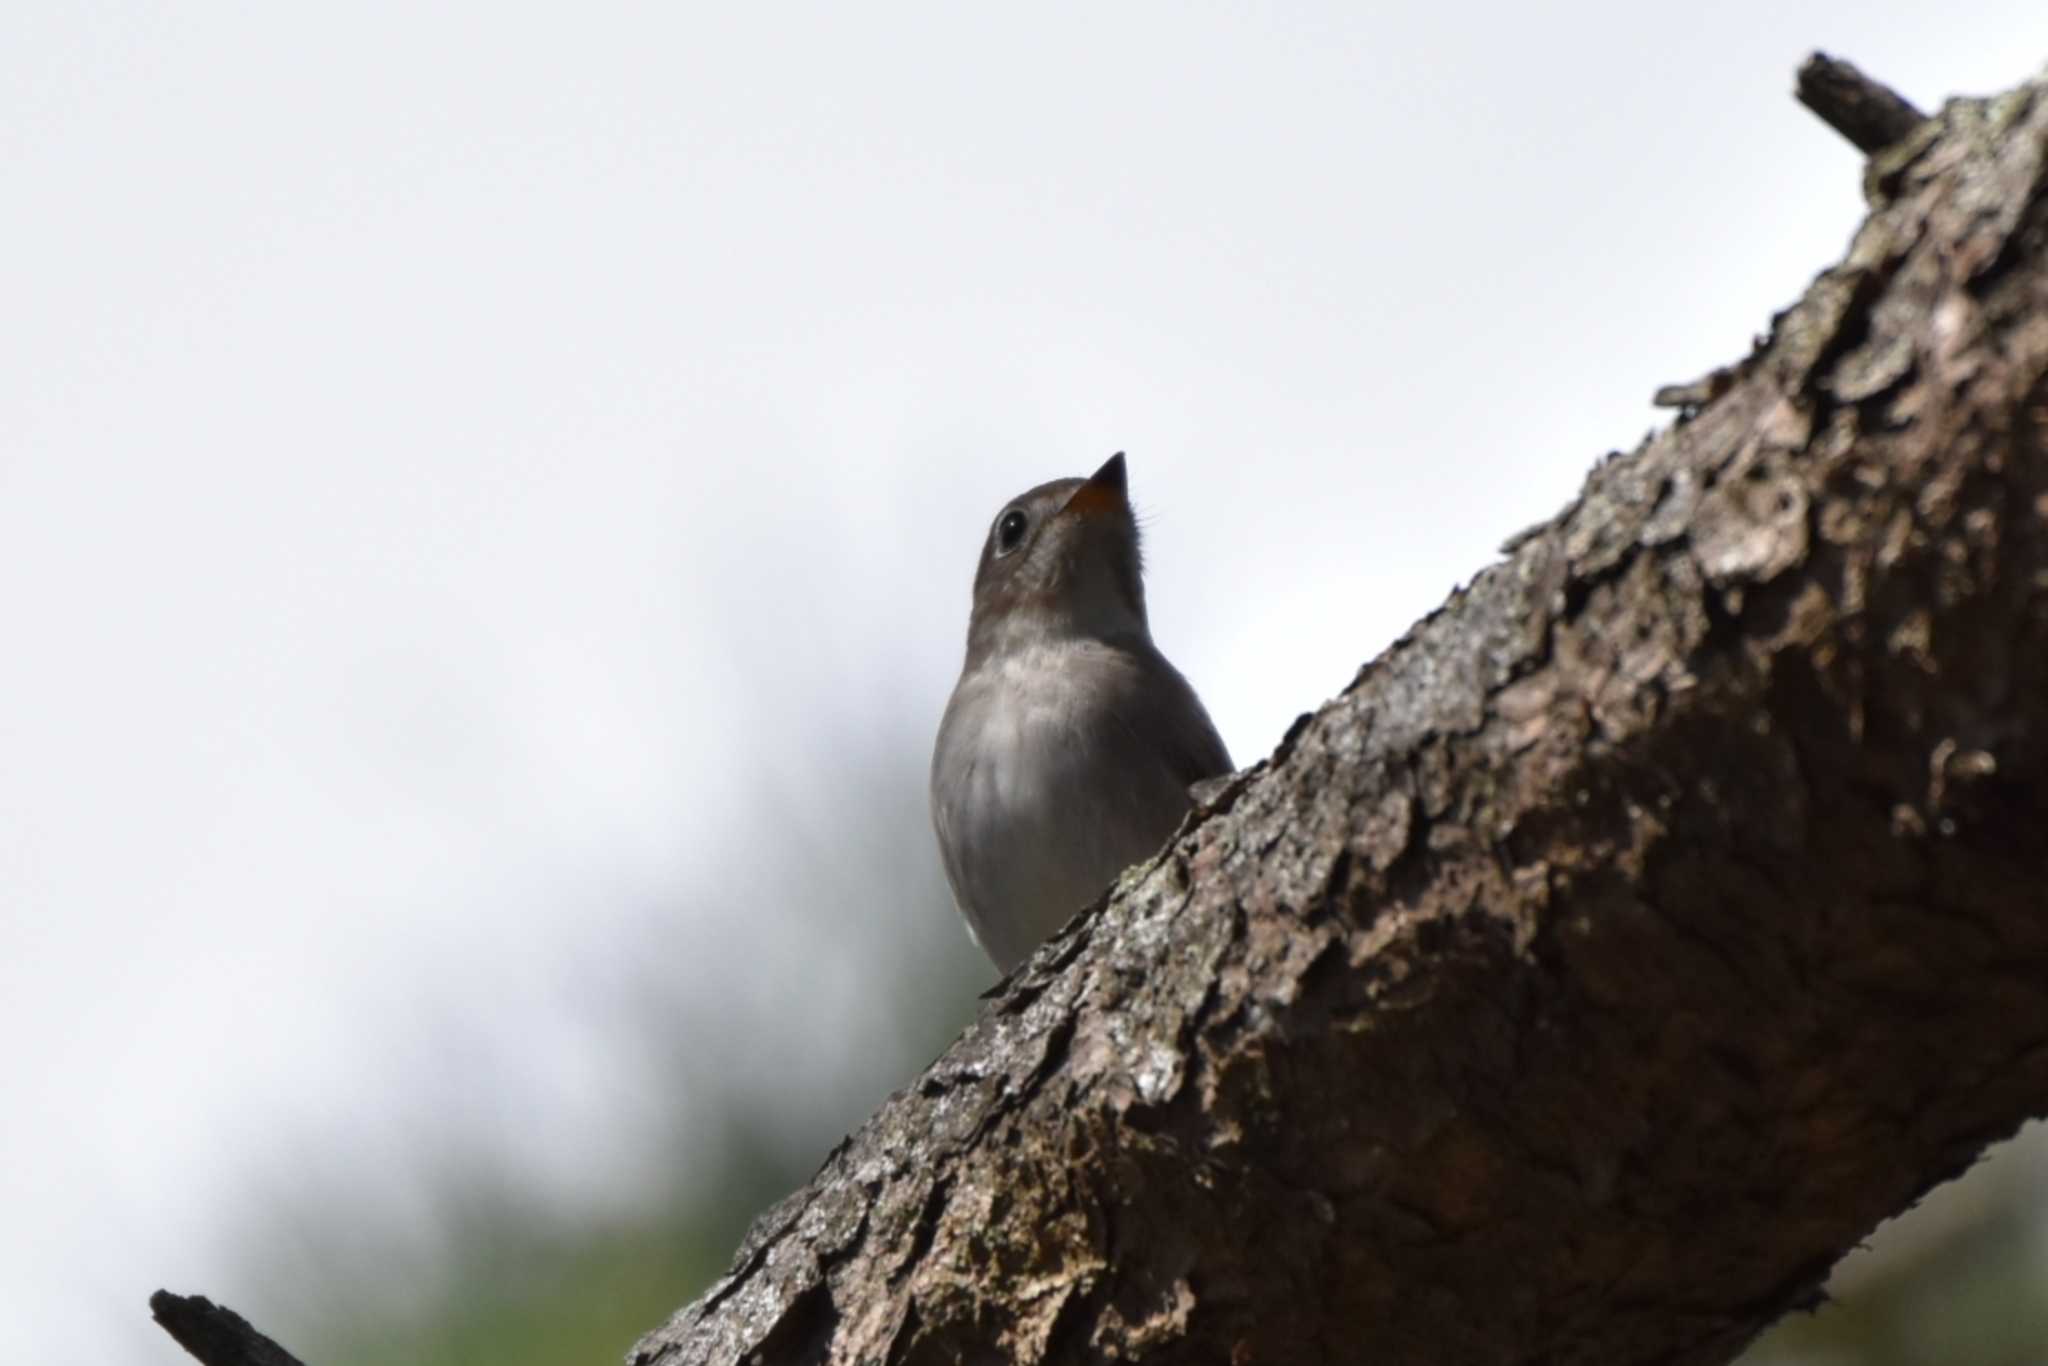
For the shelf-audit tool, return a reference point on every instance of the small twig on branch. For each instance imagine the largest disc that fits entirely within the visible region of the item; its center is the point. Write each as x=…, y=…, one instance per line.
x=214, y=1333
x=1869, y=114
x=1700, y=392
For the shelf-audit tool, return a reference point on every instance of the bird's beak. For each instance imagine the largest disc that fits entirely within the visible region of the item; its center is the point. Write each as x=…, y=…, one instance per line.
x=1105, y=491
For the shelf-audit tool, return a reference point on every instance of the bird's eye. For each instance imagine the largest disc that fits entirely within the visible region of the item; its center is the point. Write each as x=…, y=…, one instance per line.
x=1010, y=531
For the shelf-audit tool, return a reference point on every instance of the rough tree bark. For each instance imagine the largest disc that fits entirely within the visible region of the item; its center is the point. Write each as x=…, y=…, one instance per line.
x=1621, y=947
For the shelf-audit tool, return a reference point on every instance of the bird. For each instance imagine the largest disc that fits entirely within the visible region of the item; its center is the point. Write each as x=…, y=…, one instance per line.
x=1069, y=744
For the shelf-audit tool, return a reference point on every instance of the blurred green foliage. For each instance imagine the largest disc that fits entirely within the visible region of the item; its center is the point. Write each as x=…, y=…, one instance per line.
x=862, y=975
x=526, y=1286
x=513, y=1281
x=1960, y=1280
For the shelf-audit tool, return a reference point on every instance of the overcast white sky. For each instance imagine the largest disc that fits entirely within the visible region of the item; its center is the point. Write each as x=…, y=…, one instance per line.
x=467, y=474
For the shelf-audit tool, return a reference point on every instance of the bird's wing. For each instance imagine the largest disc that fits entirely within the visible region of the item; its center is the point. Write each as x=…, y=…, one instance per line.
x=1172, y=723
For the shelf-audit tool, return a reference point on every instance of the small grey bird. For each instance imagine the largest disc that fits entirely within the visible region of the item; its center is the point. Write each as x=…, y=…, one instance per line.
x=1068, y=747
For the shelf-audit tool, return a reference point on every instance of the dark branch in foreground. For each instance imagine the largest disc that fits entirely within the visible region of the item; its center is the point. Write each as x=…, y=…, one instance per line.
x=214, y=1333
x=1871, y=115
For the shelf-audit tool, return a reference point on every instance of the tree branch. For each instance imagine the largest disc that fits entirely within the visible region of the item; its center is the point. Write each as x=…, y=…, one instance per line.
x=1616, y=951
x=1870, y=115
x=214, y=1333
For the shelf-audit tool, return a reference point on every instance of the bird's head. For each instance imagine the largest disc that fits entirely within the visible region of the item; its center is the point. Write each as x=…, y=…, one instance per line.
x=1061, y=560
